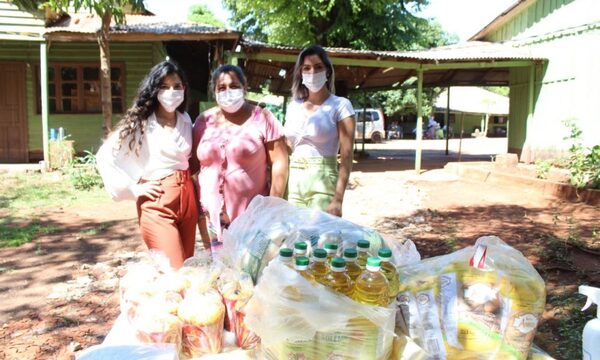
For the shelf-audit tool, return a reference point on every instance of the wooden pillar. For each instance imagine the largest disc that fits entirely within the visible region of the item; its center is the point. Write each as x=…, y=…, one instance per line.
x=44, y=100
x=447, y=120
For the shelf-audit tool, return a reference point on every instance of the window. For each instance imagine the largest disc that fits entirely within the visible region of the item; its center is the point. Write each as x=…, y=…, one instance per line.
x=75, y=88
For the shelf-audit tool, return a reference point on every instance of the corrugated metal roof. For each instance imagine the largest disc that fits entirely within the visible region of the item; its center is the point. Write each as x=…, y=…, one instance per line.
x=146, y=24
x=467, y=51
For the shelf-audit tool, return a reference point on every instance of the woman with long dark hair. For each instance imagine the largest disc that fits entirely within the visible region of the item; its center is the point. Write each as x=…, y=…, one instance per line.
x=318, y=125
x=146, y=159
x=235, y=143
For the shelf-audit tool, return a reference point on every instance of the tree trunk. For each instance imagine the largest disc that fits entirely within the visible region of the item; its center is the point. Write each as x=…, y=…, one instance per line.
x=105, y=85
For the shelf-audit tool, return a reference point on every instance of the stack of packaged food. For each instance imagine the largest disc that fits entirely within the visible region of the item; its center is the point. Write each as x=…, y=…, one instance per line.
x=187, y=307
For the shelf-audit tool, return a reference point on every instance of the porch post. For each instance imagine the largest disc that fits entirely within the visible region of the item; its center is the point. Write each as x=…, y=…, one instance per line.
x=419, y=135
x=447, y=119
x=44, y=98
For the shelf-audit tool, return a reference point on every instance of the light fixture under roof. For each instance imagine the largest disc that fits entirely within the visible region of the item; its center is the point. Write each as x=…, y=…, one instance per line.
x=282, y=73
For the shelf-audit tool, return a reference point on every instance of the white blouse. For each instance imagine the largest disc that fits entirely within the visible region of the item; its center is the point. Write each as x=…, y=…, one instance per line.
x=163, y=151
x=316, y=134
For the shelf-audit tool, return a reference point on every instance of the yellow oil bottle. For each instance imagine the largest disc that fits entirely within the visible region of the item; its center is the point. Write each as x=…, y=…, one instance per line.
x=390, y=272
x=337, y=279
x=331, y=249
x=371, y=287
x=300, y=249
x=352, y=268
x=301, y=267
x=319, y=268
x=363, y=252
x=286, y=256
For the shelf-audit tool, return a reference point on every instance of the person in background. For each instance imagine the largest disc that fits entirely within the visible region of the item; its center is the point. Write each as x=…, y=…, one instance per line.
x=146, y=159
x=318, y=125
x=235, y=144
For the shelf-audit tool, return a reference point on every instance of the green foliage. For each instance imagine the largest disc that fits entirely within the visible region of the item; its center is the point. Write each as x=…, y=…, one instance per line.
x=584, y=163
x=375, y=24
x=82, y=172
x=568, y=325
x=201, y=14
x=542, y=168
x=500, y=90
x=117, y=8
x=398, y=101
x=12, y=235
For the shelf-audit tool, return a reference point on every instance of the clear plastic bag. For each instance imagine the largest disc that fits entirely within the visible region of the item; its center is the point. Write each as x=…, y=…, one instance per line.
x=298, y=319
x=481, y=302
x=254, y=238
x=236, y=289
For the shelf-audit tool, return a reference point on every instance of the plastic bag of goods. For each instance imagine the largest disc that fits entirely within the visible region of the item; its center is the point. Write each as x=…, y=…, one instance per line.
x=254, y=238
x=202, y=315
x=236, y=289
x=154, y=323
x=299, y=319
x=481, y=302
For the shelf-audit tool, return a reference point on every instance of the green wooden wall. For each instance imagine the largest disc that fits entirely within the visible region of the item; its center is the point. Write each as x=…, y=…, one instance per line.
x=566, y=87
x=19, y=25
x=528, y=17
x=85, y=129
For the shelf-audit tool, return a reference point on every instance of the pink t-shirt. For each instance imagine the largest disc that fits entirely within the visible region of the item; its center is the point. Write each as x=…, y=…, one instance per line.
x=233, y=161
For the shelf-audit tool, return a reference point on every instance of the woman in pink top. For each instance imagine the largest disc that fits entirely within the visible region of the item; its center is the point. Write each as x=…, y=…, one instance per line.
x=234, y=144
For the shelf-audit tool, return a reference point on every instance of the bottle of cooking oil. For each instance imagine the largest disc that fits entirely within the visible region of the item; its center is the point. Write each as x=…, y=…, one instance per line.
x=352, y=268
x=337, y=279
x=371, y=287
x=300, y=249
x=363, y=252
x=319, y=268
x=331, y=249
x=390, y=272
x=301, y=267
x=286, y=256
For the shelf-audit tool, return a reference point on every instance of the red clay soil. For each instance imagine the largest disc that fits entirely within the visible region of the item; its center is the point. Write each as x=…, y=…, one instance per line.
x=452, y=214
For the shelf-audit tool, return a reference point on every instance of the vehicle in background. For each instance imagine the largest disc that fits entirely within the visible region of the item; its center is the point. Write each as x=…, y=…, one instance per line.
x=374, y=130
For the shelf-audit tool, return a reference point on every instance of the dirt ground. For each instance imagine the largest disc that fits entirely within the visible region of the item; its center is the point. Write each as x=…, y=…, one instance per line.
x=437, y=210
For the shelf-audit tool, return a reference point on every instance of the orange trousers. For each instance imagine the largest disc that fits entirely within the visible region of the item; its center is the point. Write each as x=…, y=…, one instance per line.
x=169, y=223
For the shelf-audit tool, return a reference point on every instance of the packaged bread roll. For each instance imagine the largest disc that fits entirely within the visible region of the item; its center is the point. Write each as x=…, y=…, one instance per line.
x=202, y=315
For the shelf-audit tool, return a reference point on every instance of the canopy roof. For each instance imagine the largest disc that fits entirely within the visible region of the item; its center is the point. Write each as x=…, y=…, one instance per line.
x=84, y=26
x=472, y=63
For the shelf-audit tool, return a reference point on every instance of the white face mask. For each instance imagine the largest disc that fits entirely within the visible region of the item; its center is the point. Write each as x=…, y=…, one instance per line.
x=314, y=82
x=230, y=100
x=170, y=99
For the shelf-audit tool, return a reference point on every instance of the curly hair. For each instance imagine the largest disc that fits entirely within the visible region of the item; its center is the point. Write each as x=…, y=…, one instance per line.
x=133, y=124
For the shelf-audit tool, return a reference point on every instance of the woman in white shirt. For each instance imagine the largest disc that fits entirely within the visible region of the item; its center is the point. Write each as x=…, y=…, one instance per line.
x=147, y=159
x=318, y=125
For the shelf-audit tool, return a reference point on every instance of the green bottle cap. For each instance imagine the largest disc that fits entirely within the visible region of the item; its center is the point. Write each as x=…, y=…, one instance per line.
x=300, y=245
x=385, y=253
x=330, y=246
x=363, y=244
x=320, y=254
x=373, y=261
x=286, y=252
x=338, y=262
x=302, y=261
x=350, y=253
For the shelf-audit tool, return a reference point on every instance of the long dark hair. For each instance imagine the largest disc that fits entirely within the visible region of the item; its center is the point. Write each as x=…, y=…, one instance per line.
x=299, y=91
x=133, y=124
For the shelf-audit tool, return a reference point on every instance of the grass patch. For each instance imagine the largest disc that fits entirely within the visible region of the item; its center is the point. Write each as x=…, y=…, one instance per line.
x=13, y=235
x=26, y=197
x=100, y=228
x=567, y=324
